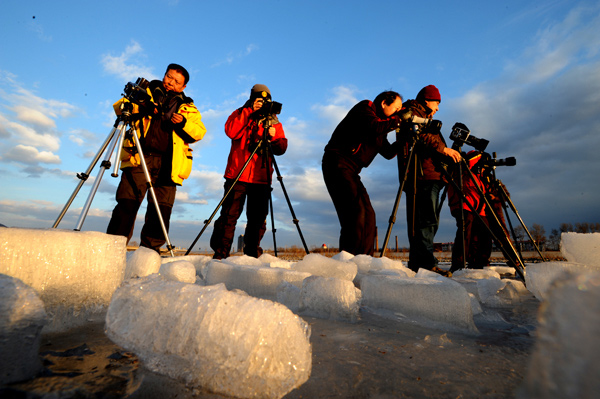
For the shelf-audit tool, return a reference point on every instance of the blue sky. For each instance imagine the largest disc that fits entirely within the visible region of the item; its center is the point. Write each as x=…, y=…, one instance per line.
x=524, y=75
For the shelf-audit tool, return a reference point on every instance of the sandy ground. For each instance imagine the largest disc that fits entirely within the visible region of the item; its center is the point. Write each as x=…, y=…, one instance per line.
x=373, y=358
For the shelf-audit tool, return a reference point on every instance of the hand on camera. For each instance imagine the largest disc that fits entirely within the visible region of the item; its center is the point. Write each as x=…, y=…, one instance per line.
x=455, y=155
x=258, y=103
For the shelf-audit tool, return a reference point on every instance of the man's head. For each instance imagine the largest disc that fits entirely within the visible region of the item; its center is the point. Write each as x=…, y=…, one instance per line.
x=431, y=98
x=388, y=103
x=259, y=94
x=176, y=78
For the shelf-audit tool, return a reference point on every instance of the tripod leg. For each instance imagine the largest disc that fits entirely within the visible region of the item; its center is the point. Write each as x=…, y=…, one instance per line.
x=104, y=165
x=237, y=178
x=392, y=219
x=517, y=260
x=84, y=176
x=152, y=193
x=273, y=229
x=514, y=209
x=287, y=198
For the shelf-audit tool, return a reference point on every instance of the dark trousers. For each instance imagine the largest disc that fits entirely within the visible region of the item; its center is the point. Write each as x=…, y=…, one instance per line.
x=352, y=204
x=477, y=242
x=130, y=195
x=422, y=210
x=257, y=209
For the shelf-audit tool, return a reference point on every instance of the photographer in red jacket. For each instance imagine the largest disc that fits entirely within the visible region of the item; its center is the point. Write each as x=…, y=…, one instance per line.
x=246, y=127
x=470, y=228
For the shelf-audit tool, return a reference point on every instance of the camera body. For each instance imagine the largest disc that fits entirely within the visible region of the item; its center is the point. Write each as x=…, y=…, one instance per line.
x=269, y=108
x=136, y=92
x=462, y=135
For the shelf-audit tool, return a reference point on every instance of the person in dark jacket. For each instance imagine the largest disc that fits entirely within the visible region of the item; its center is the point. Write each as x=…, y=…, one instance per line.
x=425, y=179
x=355, y=142
x=245, y=127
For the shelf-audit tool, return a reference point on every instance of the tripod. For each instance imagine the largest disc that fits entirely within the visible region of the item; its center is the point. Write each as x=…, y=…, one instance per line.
x=123, y=126
x=509, y=251
x=392, y=219
x=267, y=154
x=506, y=199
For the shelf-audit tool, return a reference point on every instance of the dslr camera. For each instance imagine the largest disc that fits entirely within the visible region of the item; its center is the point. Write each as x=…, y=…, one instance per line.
x=269, y=107
x=462, y=135
x=136, y=92
x=406, y=115
x=492, y=162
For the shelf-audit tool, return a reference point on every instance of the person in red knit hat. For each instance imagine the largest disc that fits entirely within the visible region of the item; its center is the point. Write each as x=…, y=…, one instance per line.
x=424, y=179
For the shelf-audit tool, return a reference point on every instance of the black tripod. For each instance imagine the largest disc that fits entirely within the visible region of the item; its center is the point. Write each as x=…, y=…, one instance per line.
x=123, y=126
x=264, y=145
x=506, y=247
x=392, y=220
x=505, y=199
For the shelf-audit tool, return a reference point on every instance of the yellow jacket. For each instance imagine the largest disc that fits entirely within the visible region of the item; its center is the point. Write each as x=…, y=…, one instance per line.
x=181, y=165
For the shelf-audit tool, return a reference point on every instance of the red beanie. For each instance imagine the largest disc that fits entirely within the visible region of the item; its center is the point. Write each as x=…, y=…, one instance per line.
x=429, y=93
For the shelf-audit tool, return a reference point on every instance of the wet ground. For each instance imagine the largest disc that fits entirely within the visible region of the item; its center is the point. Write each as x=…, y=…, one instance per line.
x=374, y=358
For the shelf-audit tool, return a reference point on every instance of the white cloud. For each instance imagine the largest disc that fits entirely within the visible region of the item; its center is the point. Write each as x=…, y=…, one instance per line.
x=27, y=135
x=126, y=65
x=30, y=155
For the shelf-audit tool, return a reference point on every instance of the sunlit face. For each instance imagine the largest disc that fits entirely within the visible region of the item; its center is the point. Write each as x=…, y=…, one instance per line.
x=174, y=81
x=389, y=110
x=434, y=106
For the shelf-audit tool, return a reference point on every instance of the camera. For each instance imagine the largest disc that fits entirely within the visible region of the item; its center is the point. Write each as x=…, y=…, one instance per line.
x=269, y=108
x=136, y=92
x=407, y=115
x=462, y=135
x=492, y=162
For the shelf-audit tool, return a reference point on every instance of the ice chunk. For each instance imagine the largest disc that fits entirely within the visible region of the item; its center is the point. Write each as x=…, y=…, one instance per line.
x=22, y=317
x=329, y=298
x=231, y=344
x=566, y=358
x=488, y=282
x=323, y=266
x=273, y=261
x=199, y=261
x=289, y=295
x=539, y=276
x=581, y=248
x=143, y=262
x=181, y=270
x=75, y=273
x=503, y=271
x=368, y=264
x=438, y=303
x=513, y=292
x=343, y=256
x=244, y=260
x=258, y=281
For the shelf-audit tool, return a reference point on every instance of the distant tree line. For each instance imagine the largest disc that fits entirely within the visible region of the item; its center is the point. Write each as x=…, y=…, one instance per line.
x=552, y=243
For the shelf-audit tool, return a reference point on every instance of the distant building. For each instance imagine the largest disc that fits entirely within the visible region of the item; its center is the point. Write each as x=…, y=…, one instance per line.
x=240, y=243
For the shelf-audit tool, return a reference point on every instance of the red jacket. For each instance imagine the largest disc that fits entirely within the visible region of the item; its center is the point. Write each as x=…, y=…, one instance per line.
x=471, y=188
x=245, y=131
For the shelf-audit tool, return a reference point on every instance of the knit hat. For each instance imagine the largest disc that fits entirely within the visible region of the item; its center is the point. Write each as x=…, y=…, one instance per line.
x=260, y=91
x=429, y=93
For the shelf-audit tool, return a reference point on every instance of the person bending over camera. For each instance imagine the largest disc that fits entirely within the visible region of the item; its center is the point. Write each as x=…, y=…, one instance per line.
x=424, y=180
x=166, y=123
x=245, y=127
x=355, y=142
